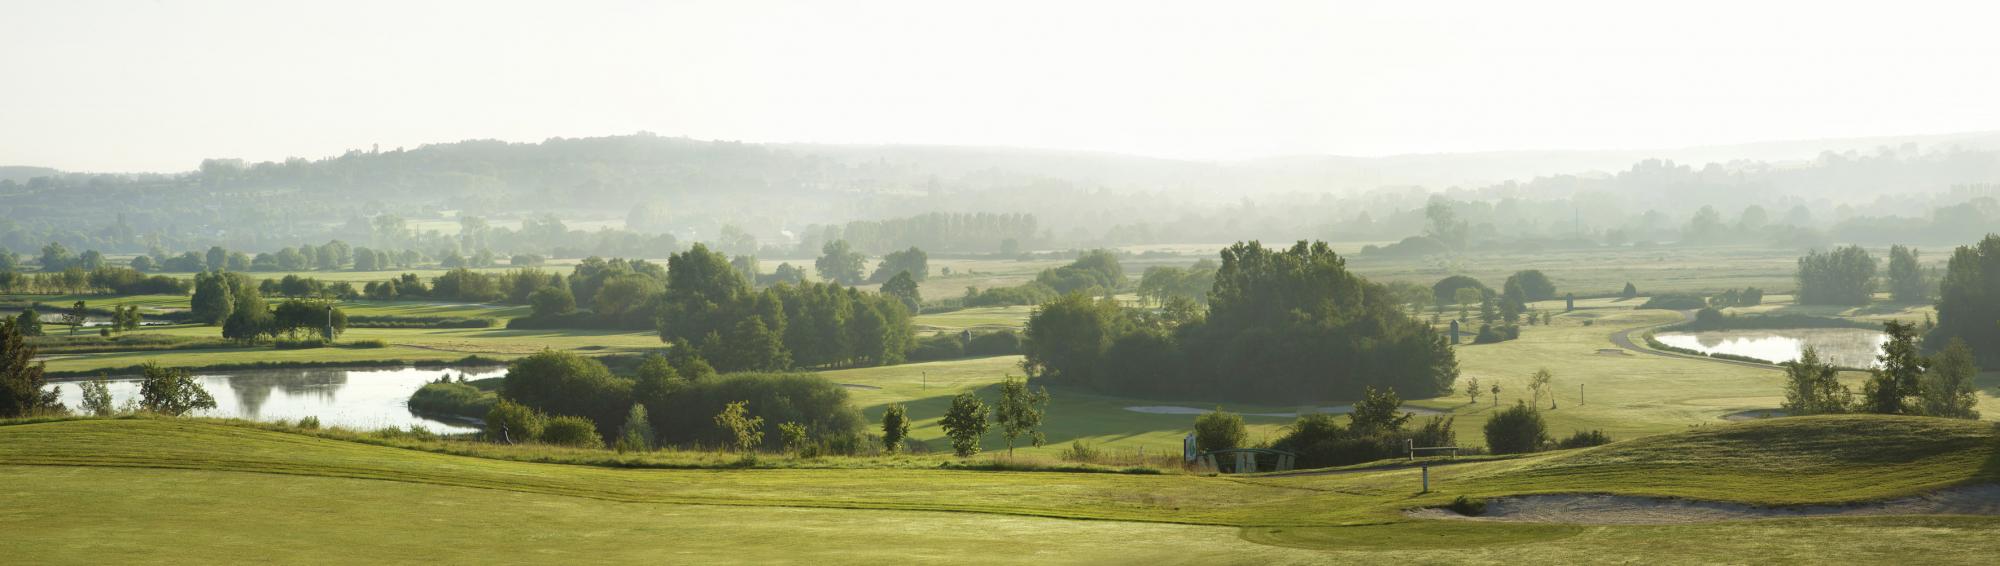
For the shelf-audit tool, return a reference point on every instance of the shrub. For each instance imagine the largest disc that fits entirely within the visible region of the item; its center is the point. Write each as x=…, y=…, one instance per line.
x=964, y=422
x=513, y=423
x=172, y=392
x=298, y=344
x=569, y=430
x=637, y=434
x=744, y=432
x=1002, y=343
x=1584, y=439
x=449, y=398
x=1219, y=430
x=686, y=417
x=1078, y=451
x=96, y=397
x=309, y=423
x=1516, y=430
x=895, y=427
x=1468, y=506
x=796, y=441
x=564, y=383
x=369, y=343
x=940, y=347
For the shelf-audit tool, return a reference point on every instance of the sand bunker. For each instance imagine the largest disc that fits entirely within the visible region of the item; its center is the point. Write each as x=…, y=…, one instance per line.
x=1334, y=410
x=1754, y=414
x=1628, y=510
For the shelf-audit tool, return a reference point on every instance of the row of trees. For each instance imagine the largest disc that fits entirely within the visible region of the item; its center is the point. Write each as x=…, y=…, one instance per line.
x=1847, y=276
x=1282, y=326
x=1905, y=382
x=678, y=397
x=708, y=304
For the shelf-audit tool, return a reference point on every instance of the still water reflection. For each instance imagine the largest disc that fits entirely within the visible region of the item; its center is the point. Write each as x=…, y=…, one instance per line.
x=1844, y=347
x=363, y=399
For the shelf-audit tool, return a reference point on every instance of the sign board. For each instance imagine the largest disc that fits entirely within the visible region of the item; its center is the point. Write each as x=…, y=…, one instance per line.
x=1188, y=450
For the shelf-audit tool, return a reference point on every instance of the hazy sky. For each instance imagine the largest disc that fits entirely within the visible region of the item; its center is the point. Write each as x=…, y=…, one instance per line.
x=159, y=85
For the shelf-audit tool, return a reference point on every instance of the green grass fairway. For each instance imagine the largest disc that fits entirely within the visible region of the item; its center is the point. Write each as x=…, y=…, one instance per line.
x=145, y=490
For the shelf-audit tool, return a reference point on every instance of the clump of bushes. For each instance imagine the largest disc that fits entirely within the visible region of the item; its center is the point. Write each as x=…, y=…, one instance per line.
x=452, y=398
x=939, y=347
x=1079, y=451
x=369, y=343
x=1517, y=430
x=298, y=344
x=309, y=423
x=1002, y=343
x=1377, y=430
x=513, y=423
x=573, y=431
x=1490, y=334
x=1584, y=439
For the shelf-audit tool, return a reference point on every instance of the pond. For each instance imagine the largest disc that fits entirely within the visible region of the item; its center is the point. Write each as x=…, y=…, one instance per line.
x=1844, y=347
x=361, y=399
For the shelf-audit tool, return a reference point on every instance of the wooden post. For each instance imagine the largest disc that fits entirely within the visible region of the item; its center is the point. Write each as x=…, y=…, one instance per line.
x=1427, y=478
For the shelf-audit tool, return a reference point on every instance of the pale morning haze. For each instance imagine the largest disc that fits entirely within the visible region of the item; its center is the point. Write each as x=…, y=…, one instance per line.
x=1017, y=283
x=156, y=86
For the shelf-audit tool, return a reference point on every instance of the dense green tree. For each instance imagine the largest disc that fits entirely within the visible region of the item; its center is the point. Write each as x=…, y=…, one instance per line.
x=1968, y=306
x=1378, y=411
x=895, y=427
x=1534, y=285
x=1064, y=338
x=21, y=381
x=551, y=301
x=1219, y=430
x=904, y=288
x=1020, y=412
x=143, y=263
x=1159, y=284
x=703, y=295
x=565, y=383
x=1516, y=430
x=29, y=322
x=1844, y=276
x=964, y=423
x=1094, y=272
x=1446, y=290
x=839, y=263
x=1906, y=276
x=217, y=259
x=1891, y=387
x=1813, y=387
x=913, y=261
x=1946, y=388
